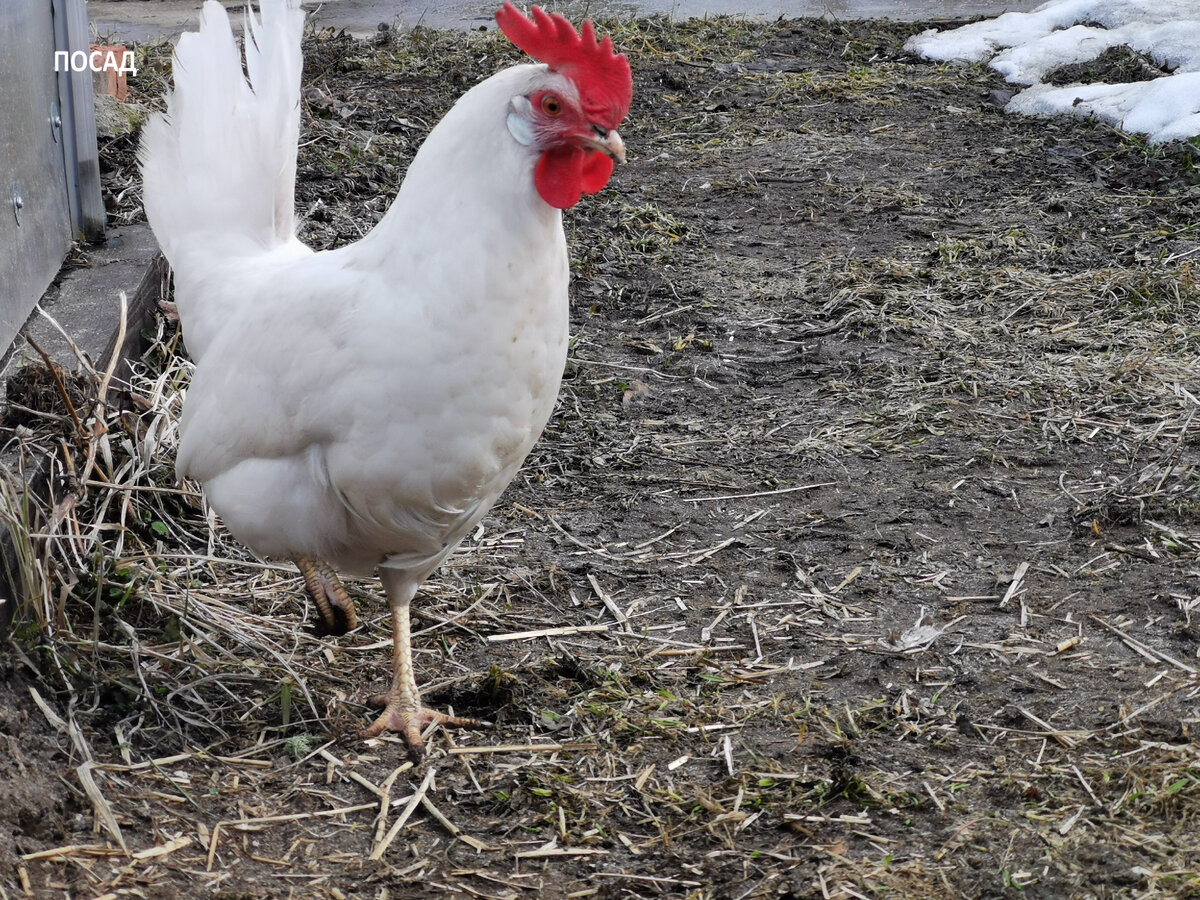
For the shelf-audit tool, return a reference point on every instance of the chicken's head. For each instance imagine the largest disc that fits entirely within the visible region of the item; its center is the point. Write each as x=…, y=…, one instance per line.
x=572, y=113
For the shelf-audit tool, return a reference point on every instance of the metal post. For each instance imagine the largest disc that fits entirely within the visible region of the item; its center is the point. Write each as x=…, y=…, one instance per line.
x=80, y=152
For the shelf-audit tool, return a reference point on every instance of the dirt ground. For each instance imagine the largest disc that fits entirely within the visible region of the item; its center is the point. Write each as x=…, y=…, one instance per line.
x=860, y=555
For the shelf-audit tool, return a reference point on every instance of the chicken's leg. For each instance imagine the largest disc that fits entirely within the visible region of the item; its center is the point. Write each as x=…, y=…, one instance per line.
x=334, y=604
x=402, y=709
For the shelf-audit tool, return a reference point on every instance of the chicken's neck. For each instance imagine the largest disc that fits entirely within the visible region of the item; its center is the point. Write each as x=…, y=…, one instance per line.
x=468, y=208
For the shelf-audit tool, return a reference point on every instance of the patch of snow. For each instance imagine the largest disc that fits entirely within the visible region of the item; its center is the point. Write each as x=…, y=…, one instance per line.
x=1029, y=63
x=1025, y=47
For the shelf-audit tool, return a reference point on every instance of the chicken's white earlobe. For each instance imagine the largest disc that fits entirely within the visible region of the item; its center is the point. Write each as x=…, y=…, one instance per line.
x=520, y=123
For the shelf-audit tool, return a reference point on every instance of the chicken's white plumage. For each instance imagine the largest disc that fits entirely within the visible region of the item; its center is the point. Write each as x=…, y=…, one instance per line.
x=370, y=403
x=363, y=406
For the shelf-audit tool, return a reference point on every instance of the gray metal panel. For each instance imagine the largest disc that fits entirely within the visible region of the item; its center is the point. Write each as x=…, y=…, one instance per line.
x=31, y=161
x=82, y=158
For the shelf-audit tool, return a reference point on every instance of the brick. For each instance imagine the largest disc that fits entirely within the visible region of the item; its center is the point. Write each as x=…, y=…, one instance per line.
x=109, y=81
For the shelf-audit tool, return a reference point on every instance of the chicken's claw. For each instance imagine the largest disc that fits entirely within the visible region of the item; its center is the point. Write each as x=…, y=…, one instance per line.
x=410, y=721
x=333, y=603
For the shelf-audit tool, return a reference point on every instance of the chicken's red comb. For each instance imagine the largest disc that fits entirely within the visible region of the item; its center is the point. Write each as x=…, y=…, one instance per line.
x=601, y=74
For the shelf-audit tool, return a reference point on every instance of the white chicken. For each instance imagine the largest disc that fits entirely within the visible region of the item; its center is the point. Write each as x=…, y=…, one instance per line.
x=359, y=410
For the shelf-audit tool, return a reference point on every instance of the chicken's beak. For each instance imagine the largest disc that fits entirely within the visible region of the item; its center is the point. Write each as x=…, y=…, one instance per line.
x=610, y=145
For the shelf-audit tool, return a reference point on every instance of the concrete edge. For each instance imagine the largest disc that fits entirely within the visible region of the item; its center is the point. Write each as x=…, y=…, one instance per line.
x=40, y=491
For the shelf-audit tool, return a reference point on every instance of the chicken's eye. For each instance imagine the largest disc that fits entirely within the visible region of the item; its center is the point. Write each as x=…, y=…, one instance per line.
x=551, y=105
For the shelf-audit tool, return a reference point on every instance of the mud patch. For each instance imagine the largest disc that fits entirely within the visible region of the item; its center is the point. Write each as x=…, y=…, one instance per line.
x=1116, y=65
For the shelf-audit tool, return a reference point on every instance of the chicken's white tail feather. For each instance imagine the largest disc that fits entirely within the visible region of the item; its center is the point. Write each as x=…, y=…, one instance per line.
x=219, y=169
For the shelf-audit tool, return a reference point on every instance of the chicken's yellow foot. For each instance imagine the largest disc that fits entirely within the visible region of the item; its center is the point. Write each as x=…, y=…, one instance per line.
x=333, y=603
x=403, y=712
x=409, y=720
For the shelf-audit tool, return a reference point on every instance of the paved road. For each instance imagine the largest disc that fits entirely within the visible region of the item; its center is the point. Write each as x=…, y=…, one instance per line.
x=135, y=20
